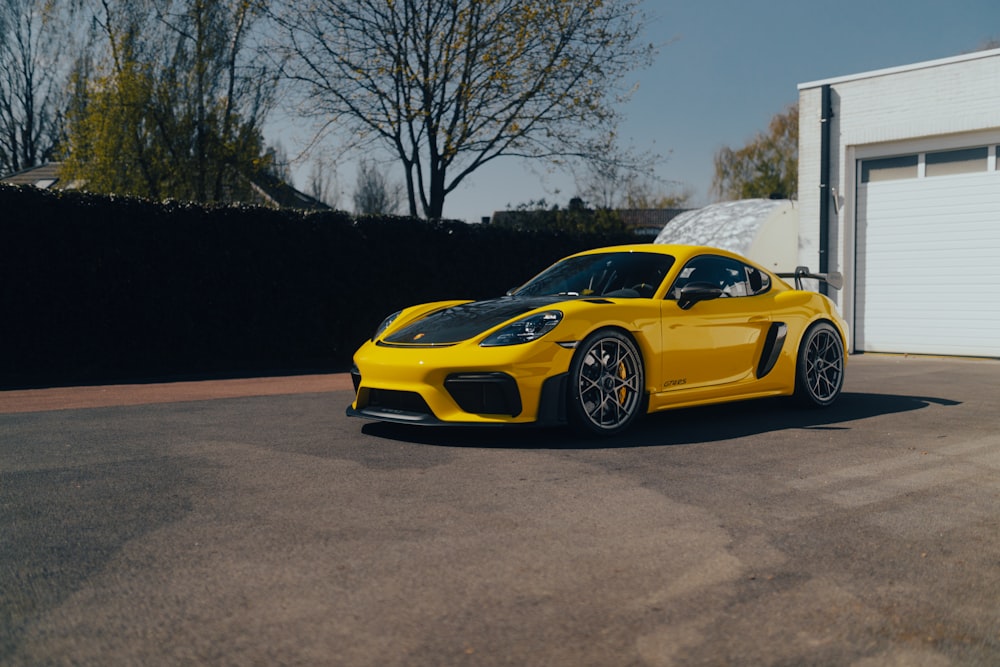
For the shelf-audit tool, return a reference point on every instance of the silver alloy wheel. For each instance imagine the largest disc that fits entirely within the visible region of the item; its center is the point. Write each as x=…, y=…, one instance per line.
x=821, y=366
x=607, y=377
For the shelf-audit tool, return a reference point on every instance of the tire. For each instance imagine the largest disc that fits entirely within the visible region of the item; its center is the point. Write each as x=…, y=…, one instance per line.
x=606, y=384
x=819, y=371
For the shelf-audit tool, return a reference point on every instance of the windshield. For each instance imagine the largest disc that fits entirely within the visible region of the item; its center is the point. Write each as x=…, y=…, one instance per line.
x=614, y=274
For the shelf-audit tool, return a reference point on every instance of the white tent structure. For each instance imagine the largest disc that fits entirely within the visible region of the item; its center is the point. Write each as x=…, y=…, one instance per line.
x=763, y=230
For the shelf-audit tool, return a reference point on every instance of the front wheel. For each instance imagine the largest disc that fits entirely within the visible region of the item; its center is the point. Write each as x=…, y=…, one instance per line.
x=819, y=372
x=605, y=383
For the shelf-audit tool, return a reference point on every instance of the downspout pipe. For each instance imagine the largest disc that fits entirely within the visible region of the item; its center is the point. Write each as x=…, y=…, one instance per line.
x=826, y=116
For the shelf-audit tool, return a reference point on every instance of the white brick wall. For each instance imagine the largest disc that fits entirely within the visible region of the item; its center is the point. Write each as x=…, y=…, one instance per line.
x=938, y=104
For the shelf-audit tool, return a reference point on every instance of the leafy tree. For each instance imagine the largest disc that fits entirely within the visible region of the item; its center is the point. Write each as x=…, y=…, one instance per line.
x=32, y=46
x=175, y=107
x=768, y=166
x=111, y=142
x=447, y=87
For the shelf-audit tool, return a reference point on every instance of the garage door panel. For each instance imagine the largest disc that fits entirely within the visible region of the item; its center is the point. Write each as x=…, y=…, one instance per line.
x=928, y=265
x=930, y=251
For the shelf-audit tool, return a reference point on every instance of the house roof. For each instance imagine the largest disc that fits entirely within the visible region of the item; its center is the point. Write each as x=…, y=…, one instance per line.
x=276, y=192
x=975, y=55
x=45, y=176
x=269, y=190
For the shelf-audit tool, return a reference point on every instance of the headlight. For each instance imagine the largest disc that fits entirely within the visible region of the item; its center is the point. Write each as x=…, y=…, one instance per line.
x=386, y=323
x=525, y=329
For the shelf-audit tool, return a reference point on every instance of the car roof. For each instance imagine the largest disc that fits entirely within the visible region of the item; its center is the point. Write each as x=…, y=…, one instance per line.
x=681, y=252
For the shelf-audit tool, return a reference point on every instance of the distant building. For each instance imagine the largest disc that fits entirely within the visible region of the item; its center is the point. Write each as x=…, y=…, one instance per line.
x=45, y=177
x=267, y=190
x=276, y=193
x=644, y=222
x=649, y=221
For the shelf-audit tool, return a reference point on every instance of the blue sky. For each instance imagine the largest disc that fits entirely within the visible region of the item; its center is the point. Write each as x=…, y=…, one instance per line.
x=726, y=67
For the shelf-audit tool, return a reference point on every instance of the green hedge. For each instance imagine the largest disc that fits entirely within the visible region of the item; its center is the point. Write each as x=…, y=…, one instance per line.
x=105, y=289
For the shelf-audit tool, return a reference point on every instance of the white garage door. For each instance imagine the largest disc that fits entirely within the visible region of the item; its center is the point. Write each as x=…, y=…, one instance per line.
x=928, y=254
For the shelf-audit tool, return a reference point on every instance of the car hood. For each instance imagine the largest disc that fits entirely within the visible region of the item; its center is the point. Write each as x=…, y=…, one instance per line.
x=459, y=323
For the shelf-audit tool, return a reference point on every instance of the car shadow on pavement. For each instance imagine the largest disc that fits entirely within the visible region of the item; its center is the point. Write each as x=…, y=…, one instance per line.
x=673, y=427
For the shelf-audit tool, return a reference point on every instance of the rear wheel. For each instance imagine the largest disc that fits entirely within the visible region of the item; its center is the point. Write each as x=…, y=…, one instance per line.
x=605, y=383
x=819, y=372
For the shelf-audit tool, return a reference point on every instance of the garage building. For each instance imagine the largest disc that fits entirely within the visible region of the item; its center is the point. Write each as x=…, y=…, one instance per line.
x=899, y=189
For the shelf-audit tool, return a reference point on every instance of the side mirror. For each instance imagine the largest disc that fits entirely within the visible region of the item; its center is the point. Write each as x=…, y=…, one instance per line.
x=692, y=293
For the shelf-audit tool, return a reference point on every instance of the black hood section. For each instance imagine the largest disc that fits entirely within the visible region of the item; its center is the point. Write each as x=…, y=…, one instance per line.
x=453, y=325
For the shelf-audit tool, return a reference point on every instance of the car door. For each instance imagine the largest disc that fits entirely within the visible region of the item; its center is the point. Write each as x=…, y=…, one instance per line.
x=716, y=341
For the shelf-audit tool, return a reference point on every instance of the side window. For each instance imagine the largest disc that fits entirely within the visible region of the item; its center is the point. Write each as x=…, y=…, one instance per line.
x=758, y=281
x=732, y=277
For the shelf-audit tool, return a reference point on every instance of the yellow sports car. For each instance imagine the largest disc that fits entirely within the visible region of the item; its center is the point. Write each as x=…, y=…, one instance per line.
x=603, y=336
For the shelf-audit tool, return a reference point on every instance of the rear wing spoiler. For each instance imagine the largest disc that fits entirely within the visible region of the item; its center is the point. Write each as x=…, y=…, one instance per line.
x=834, y=279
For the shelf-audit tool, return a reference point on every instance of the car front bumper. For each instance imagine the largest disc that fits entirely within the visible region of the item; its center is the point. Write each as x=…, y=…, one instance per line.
x=461, y=384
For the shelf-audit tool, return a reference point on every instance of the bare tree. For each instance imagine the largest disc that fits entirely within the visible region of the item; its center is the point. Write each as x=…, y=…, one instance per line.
x=447, y=87
x=613, y=181
x=374, y=194
x=278, y=163
x=221, y=88
x=33, y=39
x=323, y=182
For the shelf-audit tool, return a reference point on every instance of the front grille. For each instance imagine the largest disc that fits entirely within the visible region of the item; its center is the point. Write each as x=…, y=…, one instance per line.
x=485, y=393
x=397, y=401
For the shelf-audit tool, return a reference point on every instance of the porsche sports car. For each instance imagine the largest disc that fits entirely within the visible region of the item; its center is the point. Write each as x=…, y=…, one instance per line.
x=604, y=336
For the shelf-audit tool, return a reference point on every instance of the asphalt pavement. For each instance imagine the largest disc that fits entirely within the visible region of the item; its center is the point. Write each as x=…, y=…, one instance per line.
x=252, y=523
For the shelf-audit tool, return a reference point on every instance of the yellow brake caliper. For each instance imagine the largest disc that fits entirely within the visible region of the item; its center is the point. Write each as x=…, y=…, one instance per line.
x=622, y=392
